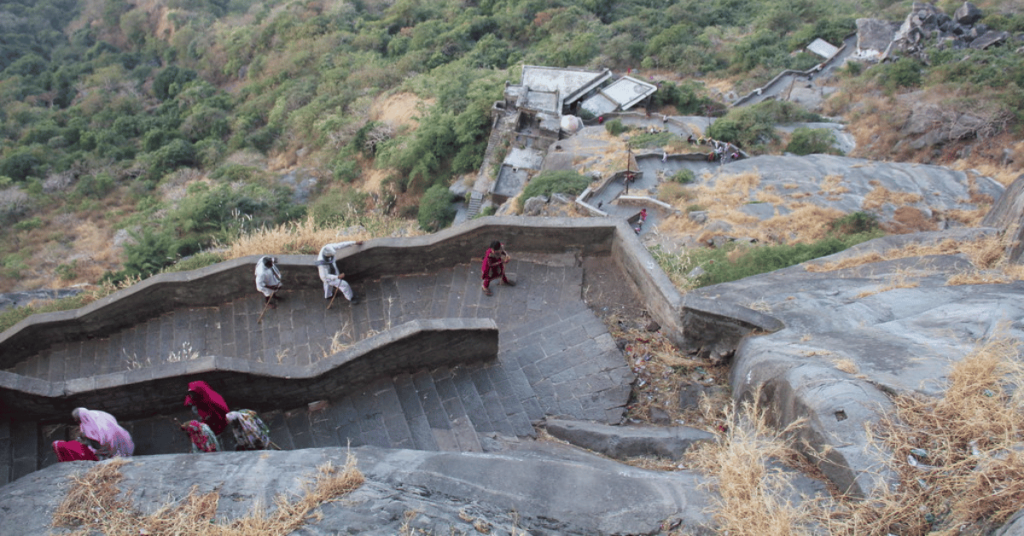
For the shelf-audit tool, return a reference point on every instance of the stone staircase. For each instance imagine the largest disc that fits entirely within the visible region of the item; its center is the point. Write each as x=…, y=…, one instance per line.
x=476, y=199
x=555, y=358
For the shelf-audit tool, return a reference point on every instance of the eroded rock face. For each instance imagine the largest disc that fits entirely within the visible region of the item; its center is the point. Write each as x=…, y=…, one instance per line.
x=551, y=490
x=851, y=336
x=851, y=185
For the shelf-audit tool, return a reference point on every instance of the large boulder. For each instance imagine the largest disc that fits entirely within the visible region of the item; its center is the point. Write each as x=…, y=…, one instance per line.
x=549, y=490
x=873, y=37
x=624, y=442
x=1007, y=215
x=852, y=336
x=967, y=14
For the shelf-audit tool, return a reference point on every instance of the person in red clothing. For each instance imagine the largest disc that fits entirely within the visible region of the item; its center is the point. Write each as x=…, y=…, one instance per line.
x=493, y=266
x=72, y=451
x=209, y=405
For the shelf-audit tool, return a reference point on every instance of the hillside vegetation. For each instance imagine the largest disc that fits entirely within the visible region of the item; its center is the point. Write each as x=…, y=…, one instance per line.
x=135, y=134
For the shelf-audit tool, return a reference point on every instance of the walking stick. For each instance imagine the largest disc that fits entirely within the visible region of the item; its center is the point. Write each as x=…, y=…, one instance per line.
x=260, y=319
x=335, y=295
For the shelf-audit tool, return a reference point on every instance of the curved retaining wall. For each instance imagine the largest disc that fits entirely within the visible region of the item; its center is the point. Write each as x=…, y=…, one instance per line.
x=261, y=386
x=688, y=325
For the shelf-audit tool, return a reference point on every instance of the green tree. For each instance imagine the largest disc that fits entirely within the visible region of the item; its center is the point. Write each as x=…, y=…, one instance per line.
x=436, y=210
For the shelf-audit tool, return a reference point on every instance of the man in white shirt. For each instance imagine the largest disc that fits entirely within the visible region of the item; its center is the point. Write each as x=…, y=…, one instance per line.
x=268, y=279
x=333, y=278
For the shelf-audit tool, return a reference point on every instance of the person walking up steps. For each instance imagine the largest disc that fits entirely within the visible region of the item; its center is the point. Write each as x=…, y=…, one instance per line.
x=329, y=274
x=493, y=266
x=268, y=279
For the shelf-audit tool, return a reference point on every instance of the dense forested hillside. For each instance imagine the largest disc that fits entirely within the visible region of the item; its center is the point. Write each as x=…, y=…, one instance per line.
x=173, y=121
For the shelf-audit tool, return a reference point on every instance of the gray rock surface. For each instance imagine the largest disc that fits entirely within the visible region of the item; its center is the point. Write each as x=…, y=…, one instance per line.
x=853, y=335
x=937, y=189
x=623, y=442
x=873, y=37
x=1008, y=215
x=548, y=490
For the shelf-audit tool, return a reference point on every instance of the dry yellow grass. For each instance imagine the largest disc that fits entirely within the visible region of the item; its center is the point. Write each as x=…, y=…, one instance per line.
x=94, y=504
x=957, y=457
x=984, y=253
x=846, y=365
x=306, y=237
x=881, y=195
x=833, y=185
x=901, y=278
x=751, y=495
x=977, y=277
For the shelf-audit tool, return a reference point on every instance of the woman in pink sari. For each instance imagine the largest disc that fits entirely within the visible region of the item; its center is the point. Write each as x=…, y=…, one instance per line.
x=101, y=428
x=72, y=451
x=210, y=406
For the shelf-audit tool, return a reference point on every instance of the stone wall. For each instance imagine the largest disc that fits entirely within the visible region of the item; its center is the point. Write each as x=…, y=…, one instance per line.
x=417, y=345
x=224, y=281
x=712, y=329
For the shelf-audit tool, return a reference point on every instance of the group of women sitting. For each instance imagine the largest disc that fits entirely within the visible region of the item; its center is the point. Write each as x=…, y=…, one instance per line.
x=101, y=437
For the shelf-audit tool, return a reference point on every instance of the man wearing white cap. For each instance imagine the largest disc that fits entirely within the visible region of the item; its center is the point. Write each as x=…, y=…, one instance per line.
x=268, y=279
x=329, y=274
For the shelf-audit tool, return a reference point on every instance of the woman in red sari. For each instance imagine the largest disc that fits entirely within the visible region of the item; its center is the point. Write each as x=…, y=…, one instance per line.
x=494, y=266
x=72, y=451
x=209, y=405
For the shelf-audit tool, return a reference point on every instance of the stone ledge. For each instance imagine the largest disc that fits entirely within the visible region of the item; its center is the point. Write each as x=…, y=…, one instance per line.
x=225, y=281
x=414, y=345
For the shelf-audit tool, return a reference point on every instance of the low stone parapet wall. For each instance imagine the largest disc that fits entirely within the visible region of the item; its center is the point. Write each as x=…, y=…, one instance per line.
x=227, y=280
x=416, y=345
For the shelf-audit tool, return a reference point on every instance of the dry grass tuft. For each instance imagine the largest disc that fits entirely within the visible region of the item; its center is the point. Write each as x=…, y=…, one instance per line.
x=880, y=195
x=984, y=253
x=94, y=504
x=662, y=371
x=846, y=365
x=977, y=277
x=752, y=495
x=957, y=457
x=901, y=278
x=833, y=185
x=307, y=237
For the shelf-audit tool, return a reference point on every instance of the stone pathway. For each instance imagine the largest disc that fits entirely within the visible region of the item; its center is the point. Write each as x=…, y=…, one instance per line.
x=555, y=358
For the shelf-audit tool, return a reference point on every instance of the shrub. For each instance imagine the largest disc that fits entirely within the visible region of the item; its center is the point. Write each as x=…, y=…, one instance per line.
x=755, y=125
x=615, y=127
x=67, y=272
x=903, y=73
x=199, y=260
x=549, y=182
x=812, y=141
x=683, y=176
x=94, y=186
x=856, y=223
x=337, y=207
x=436, y=211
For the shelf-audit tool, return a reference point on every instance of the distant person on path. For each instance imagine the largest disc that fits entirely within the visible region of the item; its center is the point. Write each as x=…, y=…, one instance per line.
x=73, y=451
x=202, y=437
x=209, y=405
x=102, y=433
x=329, y=274
x=493, y=266
x=643, y=216
x=249, y=430
x=268, y=279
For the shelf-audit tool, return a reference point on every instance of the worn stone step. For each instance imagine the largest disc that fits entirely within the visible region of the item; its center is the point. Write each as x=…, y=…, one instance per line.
x=434, y=412
x=25, y=437
x=461, y=426
x=415, y=416
x=6, y=451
